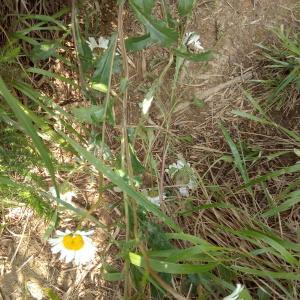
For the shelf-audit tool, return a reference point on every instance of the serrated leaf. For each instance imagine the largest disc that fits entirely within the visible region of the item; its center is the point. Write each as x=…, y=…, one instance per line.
x=93, y=114
x=138, y=43
x=9, y=54
x=185, y=7
x=158, y=29
x=43, y=51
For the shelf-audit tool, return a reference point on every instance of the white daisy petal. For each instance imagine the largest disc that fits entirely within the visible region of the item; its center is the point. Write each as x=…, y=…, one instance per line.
x=76, y=246
x=70, y=256
x=58, y=232
x=56, y=248
x=84, y=233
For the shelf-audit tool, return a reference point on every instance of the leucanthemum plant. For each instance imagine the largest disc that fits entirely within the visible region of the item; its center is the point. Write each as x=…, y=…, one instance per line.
x=74, y=246
x=184, y=177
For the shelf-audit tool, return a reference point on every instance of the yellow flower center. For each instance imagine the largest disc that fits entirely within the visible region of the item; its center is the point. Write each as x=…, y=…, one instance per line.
x=73, y=242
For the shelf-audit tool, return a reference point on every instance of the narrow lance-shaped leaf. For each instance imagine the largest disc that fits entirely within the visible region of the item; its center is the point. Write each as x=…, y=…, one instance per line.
x=27, y=124
x=103, y=68
x=185, y=7
x=138, y=43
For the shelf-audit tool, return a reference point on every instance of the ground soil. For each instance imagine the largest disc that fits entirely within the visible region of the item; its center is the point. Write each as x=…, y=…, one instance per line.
x=231, y=28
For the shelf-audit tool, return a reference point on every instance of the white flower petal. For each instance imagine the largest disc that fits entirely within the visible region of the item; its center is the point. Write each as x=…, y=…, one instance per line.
x=92, y=43
x=103, y=42
x=84, y=233
x=57, y=248
x=236, y=293
x=70, y=256
x=58, y=232
x=146, y=104
x=184, y=191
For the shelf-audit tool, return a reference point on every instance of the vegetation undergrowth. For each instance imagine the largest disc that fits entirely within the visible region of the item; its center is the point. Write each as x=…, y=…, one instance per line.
x=175, y=231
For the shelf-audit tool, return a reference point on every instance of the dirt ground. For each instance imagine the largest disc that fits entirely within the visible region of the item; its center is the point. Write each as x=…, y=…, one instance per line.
x=231, y=28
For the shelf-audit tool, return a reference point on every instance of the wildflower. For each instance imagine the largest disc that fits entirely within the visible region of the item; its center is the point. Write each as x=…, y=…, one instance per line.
x=192, y=40
x=147, y=102
x=102, y=43
x=75, y=246
x=67, y=196
x=236, y=293
x=184, y=176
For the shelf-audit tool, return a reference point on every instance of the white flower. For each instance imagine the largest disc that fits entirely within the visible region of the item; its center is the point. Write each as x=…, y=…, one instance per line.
x=174, y=167
x=236, y=293
x=102, y=43
x=75, y=246
x=184, y=176
x=67, y=197
x=184, y=191
x=192, y=39
x=146, y=104
x=155, y=200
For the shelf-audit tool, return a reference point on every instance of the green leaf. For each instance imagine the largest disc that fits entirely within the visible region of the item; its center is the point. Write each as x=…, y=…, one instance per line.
x=197, y=57
x=53, y=75
x=26, y=123
x=113, y=276
x=158, y=30
x=293, y=199
x=93, y=114
x=137, y=166
x=104, y=65
x=185, y=7
x=169, y=267
x=239, y=163
x=268, y=274
x=288, y=170
x=145, y=5
x=138, y=43
x=43, y=51
x=9, y=54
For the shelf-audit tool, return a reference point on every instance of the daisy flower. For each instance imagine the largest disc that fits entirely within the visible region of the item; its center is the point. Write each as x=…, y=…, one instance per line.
x=76, y=246
x=102, y=43
x=236, y=293
x=192, y=40
x=184, y=176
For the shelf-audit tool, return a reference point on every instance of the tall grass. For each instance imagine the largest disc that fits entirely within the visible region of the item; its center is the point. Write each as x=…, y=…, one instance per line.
x=243, y=237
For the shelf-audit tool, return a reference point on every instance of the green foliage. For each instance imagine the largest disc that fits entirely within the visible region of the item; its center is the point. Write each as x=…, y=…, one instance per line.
x=154, y=238
x=185, y=7
x=283, y=63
